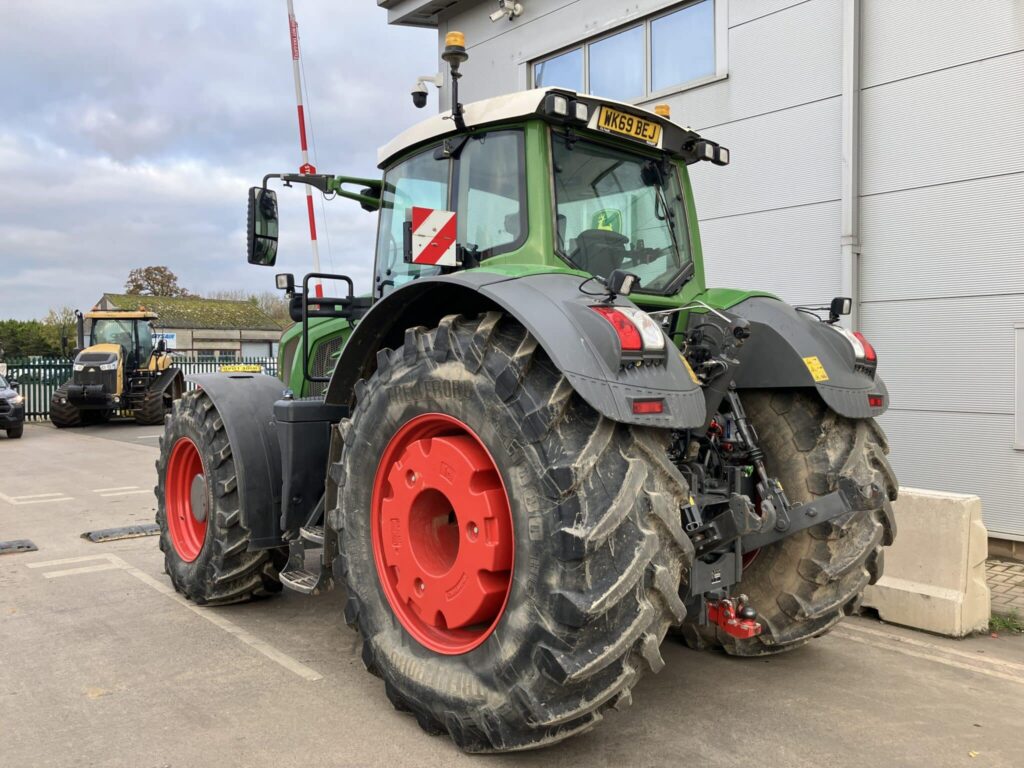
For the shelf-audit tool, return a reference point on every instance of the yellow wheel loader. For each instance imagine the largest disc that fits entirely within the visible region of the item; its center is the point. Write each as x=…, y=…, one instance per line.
x=121, y=370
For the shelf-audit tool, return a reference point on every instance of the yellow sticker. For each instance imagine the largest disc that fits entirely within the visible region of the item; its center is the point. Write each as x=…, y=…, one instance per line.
x=241, y=368
x=689, y=370
x=816, y=369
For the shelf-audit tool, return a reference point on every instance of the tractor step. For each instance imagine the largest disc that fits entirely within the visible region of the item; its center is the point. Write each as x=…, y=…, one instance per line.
x=306, y=582
x=314, y=534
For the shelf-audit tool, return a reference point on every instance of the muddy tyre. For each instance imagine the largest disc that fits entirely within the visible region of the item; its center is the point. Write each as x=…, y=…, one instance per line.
x=557, y=623
x=62, y=413
x=804, y=584
x=204, y=542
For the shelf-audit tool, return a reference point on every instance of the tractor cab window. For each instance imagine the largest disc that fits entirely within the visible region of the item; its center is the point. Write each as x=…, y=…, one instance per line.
x=145, y=342
x=109, y=331
x=619, y=210
x=421, y=181
x=487, y=192
x=491, y=189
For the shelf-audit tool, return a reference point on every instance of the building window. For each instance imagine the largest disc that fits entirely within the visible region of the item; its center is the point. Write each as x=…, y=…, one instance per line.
x=663, y=53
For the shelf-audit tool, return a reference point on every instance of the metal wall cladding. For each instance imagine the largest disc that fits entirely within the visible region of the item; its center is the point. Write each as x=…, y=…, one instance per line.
x=910, y=37
x=959, y=239
x=777, y=61
x=744, y=11
x=961, y=123
x=946, y=354
x=961, y=453
x=793, y=252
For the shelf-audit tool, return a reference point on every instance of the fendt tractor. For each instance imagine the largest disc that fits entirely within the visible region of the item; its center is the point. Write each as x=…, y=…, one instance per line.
x=122, y=370
x=541, y=442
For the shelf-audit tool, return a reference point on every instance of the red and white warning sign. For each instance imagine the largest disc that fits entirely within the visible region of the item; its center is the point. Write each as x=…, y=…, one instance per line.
x=433, y=237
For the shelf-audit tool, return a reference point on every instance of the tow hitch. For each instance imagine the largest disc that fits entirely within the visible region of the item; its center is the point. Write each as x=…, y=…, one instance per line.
x=734, y=616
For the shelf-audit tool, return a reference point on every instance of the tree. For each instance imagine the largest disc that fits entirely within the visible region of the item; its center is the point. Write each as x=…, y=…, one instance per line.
x=23, y=338
x=62, y=328
x=153, y=281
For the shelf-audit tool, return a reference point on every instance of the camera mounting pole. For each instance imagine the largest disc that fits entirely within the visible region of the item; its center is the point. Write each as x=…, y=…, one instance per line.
x=455, y=54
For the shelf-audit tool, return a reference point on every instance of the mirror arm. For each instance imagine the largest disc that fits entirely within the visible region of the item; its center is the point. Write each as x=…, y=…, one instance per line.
x=332, y=185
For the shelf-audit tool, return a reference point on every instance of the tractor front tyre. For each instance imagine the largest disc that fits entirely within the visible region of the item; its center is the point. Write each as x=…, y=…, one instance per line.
x=804, y=584
x=511, y=558
x=151, y=409
x=205, y=544
x=62, y=412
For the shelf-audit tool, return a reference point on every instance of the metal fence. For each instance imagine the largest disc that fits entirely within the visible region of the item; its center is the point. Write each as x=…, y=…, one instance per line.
x=38, y=377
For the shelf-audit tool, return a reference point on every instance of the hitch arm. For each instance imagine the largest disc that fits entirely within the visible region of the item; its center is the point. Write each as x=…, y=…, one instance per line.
x=802, y=516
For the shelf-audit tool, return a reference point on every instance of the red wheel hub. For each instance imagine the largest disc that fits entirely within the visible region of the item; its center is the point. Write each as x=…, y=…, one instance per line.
x=185, y=499
x=442, y=533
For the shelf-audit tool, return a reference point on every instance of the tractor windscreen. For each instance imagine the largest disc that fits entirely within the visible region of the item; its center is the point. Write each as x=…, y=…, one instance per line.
x=618, y=210
x=108, y=331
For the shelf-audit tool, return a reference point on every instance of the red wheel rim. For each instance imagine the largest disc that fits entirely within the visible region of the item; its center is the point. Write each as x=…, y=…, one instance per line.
x=185, y=499
x=442, y=534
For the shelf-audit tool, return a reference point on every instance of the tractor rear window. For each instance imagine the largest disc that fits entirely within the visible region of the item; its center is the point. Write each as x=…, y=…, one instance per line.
x=619, y=210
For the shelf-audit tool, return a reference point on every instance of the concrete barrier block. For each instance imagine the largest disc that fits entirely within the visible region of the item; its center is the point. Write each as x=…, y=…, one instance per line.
x=934, y=576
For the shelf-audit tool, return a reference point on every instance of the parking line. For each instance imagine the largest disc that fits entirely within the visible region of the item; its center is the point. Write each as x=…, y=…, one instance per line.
x=83, y=569
x=119, y=488
x=149, y=437
x=34, y=499
x=126, y=493
x=114, y=562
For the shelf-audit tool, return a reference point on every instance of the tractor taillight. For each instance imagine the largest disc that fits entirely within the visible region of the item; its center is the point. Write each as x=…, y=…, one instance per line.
x=629, y=334
x=644, y=407
x=876, y=401
x=869, y=351
x=636, y=330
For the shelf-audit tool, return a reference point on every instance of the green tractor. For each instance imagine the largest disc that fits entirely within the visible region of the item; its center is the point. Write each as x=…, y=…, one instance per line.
x=541, y=442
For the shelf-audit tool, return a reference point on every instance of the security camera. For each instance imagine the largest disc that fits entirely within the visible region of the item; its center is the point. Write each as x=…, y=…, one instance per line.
x=419, y=91
x=419, y=95
x=507, y=9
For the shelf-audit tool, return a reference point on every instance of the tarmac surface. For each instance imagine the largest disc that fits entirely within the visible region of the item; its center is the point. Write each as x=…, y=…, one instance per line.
x=101, y=664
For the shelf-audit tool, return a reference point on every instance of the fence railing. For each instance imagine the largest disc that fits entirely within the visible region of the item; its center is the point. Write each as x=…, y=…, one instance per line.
x=39, y=377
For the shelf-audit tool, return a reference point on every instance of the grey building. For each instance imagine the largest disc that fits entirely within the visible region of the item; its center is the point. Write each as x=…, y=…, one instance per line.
x=877, y=151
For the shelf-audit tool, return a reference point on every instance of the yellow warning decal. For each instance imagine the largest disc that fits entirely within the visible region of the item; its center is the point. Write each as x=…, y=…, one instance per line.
x=241, y=368
x=689, y=370
x=816, y=369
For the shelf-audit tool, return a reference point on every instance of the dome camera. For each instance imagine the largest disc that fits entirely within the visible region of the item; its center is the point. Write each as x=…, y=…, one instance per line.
x=419, y=95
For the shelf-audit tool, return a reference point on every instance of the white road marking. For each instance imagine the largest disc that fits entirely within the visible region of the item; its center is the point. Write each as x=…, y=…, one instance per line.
x=65, y=561
x=114, y=562
x=981, y=670
x=34, y=499
x=149, y=437
x=119, y=488
x=976, y=657
x=83, y=569
x=126, y=493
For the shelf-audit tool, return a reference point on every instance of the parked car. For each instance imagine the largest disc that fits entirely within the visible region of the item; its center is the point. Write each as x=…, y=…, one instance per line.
x=12, y=408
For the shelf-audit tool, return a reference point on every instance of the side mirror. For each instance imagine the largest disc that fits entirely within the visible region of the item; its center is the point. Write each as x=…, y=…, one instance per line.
x=262, y=230
x=841, y=305
x=161, y=347
x=13, y=383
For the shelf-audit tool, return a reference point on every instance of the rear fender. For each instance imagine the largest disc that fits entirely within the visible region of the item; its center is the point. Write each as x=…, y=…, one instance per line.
x=245, y=402
x=776, y=357
x=554, y=308
x=169, y=379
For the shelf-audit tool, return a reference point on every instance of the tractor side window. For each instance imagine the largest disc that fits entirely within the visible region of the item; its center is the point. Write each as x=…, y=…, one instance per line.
x=491, y=193
x=145, y=342
x=421, y=181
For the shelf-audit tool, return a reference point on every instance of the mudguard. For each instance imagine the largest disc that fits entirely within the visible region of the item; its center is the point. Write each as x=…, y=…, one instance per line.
x=555, y=309
x=245, y=403
x=776, y=357
x=169, y=377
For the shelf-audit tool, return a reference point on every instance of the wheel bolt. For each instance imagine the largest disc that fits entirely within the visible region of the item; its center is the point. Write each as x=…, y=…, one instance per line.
x=474, y=531
x=410, y=477
x=420, y=586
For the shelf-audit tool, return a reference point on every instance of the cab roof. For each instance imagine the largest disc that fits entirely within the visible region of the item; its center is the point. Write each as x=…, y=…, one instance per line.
x=116, y=314
x=674, y=138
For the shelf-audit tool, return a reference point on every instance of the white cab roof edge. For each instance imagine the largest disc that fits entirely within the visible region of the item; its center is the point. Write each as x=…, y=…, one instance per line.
x=498, y=109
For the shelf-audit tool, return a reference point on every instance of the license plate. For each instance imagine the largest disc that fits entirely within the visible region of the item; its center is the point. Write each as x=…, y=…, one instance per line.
x=612, y=121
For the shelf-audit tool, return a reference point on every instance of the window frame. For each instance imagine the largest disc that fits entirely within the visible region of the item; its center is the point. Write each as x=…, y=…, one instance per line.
x=721, y=40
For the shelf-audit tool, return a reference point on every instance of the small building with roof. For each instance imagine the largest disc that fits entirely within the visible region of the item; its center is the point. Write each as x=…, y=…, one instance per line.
x=205, y=329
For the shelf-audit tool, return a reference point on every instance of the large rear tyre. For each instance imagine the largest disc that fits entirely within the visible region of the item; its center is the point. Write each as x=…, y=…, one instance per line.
x=62, y=413
x=204, y=542
x=804, y=584
x=511, y=558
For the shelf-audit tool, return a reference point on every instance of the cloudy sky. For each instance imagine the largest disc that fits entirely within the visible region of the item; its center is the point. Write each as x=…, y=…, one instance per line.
x=130, y=131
